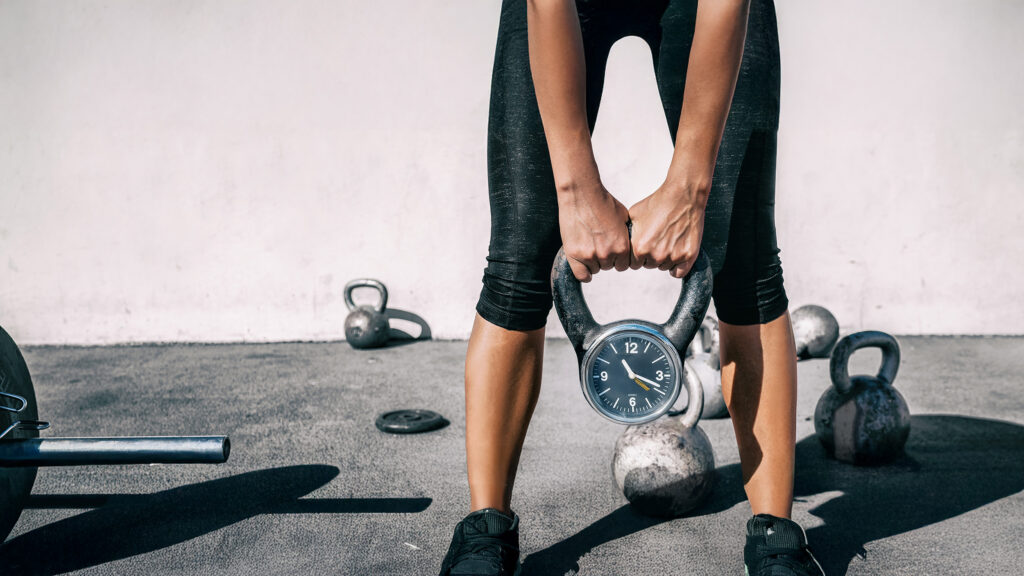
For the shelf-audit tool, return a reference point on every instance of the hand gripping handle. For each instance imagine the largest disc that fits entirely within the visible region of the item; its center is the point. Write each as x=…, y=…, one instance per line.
x=682, y=325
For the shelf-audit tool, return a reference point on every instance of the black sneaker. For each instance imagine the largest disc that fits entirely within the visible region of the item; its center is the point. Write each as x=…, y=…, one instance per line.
x=778, y=547
x=485, y=543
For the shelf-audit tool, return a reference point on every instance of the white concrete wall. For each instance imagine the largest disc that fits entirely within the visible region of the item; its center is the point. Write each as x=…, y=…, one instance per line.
x=206, y=170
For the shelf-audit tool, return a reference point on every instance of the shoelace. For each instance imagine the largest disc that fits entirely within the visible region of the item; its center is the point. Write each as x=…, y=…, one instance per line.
x=480, y=547
x=786, y=557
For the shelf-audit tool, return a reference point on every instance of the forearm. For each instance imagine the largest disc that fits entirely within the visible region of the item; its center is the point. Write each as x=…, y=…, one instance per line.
x=715, y=57
x=559, y=78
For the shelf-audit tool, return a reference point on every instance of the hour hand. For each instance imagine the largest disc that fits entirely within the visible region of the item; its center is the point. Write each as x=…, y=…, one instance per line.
x=633, y=376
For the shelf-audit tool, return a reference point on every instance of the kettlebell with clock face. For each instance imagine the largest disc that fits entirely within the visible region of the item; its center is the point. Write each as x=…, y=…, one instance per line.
x=631, y=371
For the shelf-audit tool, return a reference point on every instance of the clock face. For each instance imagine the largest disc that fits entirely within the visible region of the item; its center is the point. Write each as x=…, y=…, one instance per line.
x=631, y=375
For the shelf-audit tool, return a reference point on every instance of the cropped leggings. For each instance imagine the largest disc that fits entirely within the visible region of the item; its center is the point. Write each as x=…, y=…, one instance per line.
x=739, y=221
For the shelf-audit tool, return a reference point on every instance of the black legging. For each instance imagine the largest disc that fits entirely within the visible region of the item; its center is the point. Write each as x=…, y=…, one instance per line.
x=739, y=222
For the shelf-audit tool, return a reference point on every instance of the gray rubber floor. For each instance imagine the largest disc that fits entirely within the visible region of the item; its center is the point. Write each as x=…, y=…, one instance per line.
x=312, y=487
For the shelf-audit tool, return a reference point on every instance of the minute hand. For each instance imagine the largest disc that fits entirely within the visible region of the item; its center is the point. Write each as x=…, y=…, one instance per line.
x=634, y=377
x=629, y=370
x=652, y=383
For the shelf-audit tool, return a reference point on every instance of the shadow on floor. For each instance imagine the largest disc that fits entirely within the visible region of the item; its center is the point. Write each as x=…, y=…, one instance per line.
x=122, y=526
x=954, y=464
x=398, y=337
x=563, y=557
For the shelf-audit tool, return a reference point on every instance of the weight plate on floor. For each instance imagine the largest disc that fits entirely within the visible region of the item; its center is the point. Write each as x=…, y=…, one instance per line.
x=410, y=421
x=15, y=483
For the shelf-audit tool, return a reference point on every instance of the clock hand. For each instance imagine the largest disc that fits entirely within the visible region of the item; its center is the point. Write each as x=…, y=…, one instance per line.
x=633, y=376
x=628, y=371
x=652, y=383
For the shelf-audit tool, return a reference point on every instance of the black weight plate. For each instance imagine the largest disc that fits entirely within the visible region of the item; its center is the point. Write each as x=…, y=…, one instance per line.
x=410, y=421
x=15, y=483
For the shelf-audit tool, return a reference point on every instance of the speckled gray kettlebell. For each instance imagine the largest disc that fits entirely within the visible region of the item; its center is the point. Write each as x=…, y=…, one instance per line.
x=366, y=326
x=666, y=467
x=815, y=330
x=863, y=419
x=703, y=357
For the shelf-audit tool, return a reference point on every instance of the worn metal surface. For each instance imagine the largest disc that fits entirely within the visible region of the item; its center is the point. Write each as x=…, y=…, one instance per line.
x=15, y=483
x=21, y=451
x=684, y=322
x=711, y=381
x=815, y=330
x=114, y=450
x=581, y=328
x=664, y=468
x=863, y=419
x=366, y=326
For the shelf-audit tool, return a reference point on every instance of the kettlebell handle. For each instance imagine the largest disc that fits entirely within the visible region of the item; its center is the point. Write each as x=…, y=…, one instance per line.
x=706, y=340
x=367, y=283
x=839, y=364
x=710, y=342
x=690, y=415
x=680, y=328
x=694, y=298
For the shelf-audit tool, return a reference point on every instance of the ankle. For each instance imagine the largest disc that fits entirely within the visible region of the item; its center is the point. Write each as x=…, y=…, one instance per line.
x=501, y=507
x=776, y=511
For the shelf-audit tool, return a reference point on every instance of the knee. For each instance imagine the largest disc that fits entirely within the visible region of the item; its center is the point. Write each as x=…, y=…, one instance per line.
x=515, y=297
x=751, y=296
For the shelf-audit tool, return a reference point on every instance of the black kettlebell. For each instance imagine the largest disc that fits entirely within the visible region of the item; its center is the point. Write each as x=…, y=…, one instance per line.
x=863, y=419
x=366, y=326
x=631, y=371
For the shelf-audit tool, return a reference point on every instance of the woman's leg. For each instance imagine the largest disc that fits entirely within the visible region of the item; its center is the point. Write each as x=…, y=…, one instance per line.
x=757, y=349
x=758, y=357
x=506, y=347
x=759, y=385
x=503, y=370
